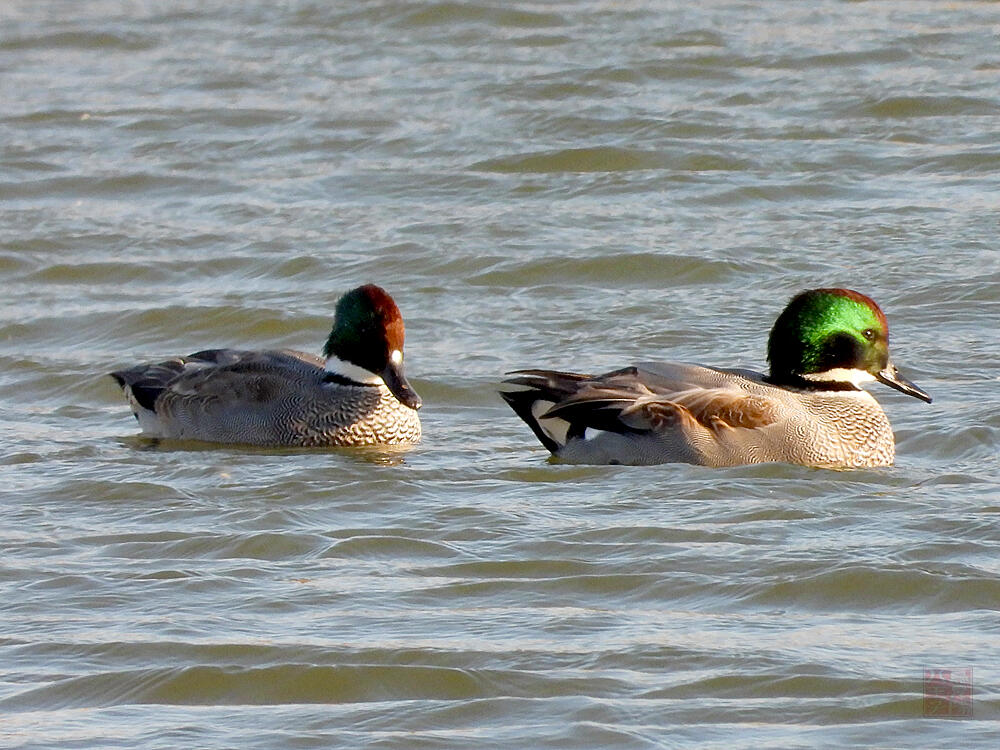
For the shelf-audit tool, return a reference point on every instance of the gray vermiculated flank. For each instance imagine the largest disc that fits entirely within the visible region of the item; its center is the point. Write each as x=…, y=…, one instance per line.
x=265, y=398
x=644, y=416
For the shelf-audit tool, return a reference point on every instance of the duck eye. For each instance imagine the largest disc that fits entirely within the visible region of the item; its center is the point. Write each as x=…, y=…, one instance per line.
x=869, y=333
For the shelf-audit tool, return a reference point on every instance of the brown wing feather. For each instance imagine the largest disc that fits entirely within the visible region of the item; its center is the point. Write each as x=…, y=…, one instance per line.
x=640, y=408
x=657, y=415
x=723, y=408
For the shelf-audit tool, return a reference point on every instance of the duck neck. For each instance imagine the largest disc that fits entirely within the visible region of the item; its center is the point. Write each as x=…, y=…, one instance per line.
x=835, y=379
x=342, y=371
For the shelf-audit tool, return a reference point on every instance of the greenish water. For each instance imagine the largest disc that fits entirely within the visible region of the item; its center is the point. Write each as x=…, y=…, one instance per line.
x=574, y=185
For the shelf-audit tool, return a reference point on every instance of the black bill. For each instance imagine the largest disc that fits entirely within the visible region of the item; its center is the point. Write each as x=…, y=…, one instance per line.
x=891, y=377
x=396, y=382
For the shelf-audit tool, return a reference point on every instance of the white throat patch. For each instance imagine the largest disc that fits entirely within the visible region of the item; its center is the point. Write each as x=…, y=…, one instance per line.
x=841, y=375
x=337, y=366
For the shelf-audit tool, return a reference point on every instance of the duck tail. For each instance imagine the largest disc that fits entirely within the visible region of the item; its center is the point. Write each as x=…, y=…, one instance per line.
x=532, y=393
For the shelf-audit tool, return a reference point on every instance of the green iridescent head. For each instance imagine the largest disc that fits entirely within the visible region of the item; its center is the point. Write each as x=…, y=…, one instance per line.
x=834, y=335
x=367, y=340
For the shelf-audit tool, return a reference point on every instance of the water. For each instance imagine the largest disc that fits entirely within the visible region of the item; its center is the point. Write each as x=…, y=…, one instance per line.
x=575, y=185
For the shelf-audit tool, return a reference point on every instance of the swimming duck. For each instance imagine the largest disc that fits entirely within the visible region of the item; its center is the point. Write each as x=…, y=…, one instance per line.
x=810, y=409
x=355, y=395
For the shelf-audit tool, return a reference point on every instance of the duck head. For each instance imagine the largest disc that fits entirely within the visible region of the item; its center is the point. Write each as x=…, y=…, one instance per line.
x=835, y=338
x=366, y=343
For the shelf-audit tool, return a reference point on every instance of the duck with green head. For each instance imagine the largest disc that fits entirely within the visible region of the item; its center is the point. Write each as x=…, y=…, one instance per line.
x=809, y=409
x=356, y=395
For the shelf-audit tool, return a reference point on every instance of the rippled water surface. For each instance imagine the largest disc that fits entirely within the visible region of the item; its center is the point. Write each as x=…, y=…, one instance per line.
x=577, y=185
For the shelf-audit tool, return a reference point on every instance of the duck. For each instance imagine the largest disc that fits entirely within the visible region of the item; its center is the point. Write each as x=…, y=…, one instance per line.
x=809, y=409
x=356, y=394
